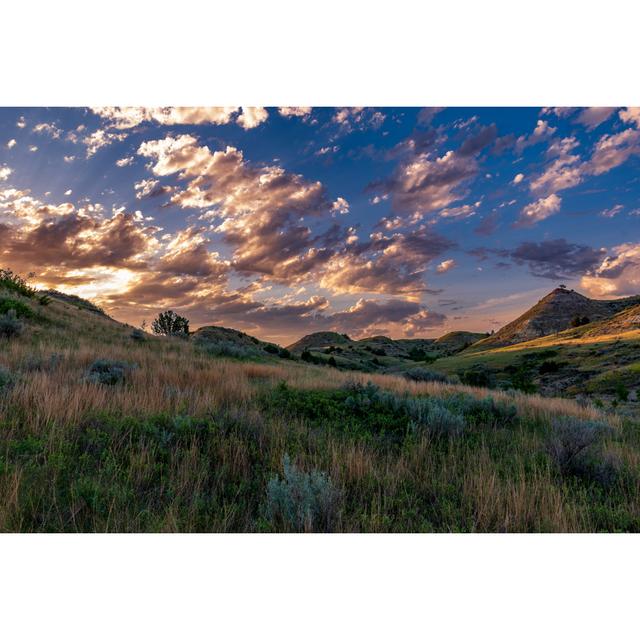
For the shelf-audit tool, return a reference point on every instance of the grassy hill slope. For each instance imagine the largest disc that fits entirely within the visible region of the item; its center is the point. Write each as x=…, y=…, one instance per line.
x=102, y=429
x=552, y=314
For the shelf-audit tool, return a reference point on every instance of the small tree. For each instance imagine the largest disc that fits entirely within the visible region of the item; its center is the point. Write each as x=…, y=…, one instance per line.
x=170, y=323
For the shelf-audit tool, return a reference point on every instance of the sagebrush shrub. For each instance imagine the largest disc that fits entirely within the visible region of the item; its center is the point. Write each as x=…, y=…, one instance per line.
x=6, y=379
x=484, y=412
x=10, y=326
x=39, y=363
x=572, y=444
x=430, y=414
x=108, y=371
x=301, y=501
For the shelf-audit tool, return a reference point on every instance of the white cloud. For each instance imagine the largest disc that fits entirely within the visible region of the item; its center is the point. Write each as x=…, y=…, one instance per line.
x=445, y=265
x=5, y=172
x=539, y=210
x=563, y=172
x=129, y=117
x=124, y=162
x=299, y=112
x=340, y=206
x=22, y=123
x=99, y=139
x=68, y=192
x=252, y=117
x=519, y=178
x=33, y=148
x=69, y=158
x=48, y=129
x=12, y=143
x=543, y=131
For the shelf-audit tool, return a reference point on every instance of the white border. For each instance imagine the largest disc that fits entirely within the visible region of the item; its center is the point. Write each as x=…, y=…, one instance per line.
x=281, y=52
x=285, y=586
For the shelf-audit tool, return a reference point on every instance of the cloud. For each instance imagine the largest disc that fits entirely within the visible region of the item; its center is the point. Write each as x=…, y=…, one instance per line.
x=48, y=129
x=99, y=139
x=612, y=211
x=252, y=117
x=340, y=205
x=33, y=148
x=560, y=112
x=518, y=178
x=563, y=172
x=539, y=210
x=427, y=114
x=445, y=265
x=12, y=143
x=69, y=159
x=631, y=115
x=5, y=172
x=543, y=131
x=423, y=185
x=150, y=189
x=616, y=275
x=556, y=259
x=393, y=264
x=129, y=117
x=259, y=210
x=593, y=117
x=358, y=119
x=52, y=245
x=124, y=162
x=298, y=112
x=21, y=123
x=476, y=143
x=613, y=150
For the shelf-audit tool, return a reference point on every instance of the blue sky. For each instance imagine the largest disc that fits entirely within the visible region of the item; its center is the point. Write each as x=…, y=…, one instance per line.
x=405, y=221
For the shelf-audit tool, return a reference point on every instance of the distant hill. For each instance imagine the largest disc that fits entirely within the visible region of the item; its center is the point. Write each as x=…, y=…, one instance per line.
x=318, y=340
x=455, y=341
x=379, y=353
x=555, y=313
x=225, y=341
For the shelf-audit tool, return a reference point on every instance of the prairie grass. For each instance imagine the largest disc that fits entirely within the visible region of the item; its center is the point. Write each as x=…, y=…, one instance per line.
x=191, y=442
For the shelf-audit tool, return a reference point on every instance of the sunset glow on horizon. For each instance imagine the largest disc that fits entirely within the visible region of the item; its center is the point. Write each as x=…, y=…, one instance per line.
x=284, y=221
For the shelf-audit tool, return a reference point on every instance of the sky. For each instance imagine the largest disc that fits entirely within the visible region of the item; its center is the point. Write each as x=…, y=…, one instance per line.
x=408, y=222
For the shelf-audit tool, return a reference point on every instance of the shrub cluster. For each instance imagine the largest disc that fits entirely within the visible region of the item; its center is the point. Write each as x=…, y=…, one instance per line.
x=301, y=501
x=575, y=447
x=39, y=363
x=21, y=309
x=10, y=326
x=109, y=372
x=15, y=283
x=6, y=379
